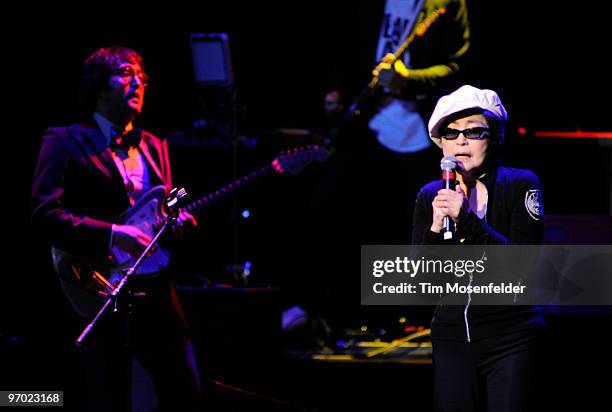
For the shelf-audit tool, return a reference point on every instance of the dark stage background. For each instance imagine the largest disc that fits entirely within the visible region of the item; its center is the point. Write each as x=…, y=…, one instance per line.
x=544, y=59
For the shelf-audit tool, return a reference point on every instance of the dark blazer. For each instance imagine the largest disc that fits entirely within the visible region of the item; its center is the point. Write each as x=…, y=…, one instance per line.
x=77, y=190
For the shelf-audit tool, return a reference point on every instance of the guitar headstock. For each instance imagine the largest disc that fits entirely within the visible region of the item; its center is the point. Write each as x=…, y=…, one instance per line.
x=294, y=161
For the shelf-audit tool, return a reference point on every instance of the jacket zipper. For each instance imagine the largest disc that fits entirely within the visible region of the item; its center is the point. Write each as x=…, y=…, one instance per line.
x=465, y=311
x=516, y=294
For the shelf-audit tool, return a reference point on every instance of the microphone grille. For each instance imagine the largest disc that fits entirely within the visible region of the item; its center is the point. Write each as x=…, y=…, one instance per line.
x=448, y=163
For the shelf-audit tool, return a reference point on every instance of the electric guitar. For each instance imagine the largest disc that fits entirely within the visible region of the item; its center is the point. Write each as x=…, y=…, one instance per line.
x=88, y=282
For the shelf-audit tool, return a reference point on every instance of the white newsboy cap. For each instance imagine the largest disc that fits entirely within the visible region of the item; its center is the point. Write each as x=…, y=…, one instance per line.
x=464, y=98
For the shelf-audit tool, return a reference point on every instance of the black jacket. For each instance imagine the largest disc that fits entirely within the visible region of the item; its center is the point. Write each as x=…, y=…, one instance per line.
x=514, y=216
x=77, y=189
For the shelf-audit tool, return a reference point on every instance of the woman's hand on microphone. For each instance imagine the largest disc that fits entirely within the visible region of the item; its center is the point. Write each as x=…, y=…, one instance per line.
x=448, y=203
x=438, y=218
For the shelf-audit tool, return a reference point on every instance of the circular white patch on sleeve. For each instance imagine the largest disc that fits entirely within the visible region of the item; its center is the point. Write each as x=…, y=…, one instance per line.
x=532, y=204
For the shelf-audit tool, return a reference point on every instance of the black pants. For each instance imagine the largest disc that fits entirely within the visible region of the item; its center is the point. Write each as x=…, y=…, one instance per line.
x=494, y=374
x=158, y=339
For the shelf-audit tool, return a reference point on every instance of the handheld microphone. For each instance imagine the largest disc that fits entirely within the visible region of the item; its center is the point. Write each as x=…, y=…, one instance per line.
x=449, y=176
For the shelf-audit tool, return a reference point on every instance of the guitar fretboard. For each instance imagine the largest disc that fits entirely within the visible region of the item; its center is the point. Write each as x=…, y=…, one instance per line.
x=199, y=205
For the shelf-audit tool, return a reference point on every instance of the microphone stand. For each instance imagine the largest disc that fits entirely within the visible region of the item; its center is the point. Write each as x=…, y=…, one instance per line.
x=172, y=203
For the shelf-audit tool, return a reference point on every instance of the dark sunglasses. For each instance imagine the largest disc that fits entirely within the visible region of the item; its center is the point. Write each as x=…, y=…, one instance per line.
x=474, y=133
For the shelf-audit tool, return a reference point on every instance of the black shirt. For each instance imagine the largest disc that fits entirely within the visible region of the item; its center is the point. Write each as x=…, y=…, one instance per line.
x=514, y=216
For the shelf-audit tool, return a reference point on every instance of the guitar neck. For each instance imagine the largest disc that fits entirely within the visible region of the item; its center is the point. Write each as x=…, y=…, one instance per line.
x=202, y=203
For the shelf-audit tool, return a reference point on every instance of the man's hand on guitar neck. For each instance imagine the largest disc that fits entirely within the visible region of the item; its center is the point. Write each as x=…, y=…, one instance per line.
x=392, y=74
x=130, y=239
x=185, y=224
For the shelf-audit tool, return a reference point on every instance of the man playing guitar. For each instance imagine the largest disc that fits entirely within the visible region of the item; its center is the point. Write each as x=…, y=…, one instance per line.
x=86, y=174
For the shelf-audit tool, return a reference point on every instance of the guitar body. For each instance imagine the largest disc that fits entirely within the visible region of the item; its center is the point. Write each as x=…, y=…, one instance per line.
x=88, y=282
x=146, y=214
